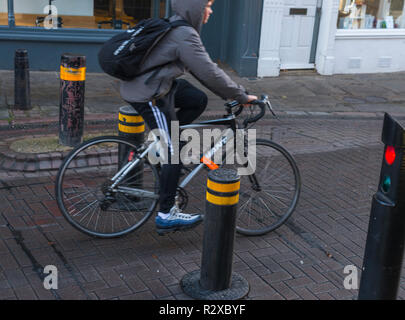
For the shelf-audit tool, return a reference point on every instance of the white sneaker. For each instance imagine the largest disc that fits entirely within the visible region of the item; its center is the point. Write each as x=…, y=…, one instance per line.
x=176, y=221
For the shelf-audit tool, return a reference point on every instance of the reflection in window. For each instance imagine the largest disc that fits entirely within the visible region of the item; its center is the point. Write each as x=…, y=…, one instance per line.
x=371, y=14
x=91, y=14
x=3, y=13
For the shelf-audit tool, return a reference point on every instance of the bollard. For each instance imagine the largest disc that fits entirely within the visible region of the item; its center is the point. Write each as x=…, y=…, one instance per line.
x=215, y=280
x=131, y=126
x=71, y=109
x=386, y=231
x=22, y=94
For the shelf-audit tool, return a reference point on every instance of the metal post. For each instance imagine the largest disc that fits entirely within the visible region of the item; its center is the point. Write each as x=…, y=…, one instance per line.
x=315, y=36
x=386, y=231
x=167, y=9
x=155, y=8
x=11, y=17
x=215, y=280
x=131, y=126
x=22, y=93
x=71, y=113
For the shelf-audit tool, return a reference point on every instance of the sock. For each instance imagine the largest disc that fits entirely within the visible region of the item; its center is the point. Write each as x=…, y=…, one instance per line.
x=164, y=215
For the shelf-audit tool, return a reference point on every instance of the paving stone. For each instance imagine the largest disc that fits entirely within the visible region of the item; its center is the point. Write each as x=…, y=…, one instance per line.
x=110, y=293
x=339, y=161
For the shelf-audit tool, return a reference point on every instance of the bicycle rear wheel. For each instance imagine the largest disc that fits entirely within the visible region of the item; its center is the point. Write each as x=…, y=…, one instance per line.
x=269, y=196
x=85, y=194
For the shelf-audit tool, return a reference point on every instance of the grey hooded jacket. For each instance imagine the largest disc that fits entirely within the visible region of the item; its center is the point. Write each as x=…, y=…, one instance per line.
x=183, y=46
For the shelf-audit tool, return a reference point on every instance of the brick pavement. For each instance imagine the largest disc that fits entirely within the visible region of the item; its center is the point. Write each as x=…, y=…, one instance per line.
x=304, y=259
x=293, y=93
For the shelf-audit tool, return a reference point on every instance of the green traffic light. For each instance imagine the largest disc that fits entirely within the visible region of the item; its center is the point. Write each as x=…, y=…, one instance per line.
x=386, y=184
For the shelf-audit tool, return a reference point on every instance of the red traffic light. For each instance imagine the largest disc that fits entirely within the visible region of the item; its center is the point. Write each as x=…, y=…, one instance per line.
x=390, y=155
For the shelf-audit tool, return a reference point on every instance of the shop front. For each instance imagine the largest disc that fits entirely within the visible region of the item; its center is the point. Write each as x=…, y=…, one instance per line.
x=49, y=28
x=370, y=36
x=332, y=36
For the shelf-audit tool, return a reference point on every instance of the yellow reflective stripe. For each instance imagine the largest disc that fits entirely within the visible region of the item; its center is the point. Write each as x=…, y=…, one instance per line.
x=223, y=187
x=130, y=119
x=72, y=74
x=128, y=129
x=222, y=201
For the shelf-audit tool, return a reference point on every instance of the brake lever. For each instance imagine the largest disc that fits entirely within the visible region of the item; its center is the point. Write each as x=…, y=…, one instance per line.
x=271, y=109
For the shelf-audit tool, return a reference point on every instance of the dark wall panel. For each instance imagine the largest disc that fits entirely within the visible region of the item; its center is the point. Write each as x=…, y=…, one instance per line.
x=232, y=36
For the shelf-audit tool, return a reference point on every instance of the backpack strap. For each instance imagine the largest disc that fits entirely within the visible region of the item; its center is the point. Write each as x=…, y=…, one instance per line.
x=180, y=23
x=174, y=24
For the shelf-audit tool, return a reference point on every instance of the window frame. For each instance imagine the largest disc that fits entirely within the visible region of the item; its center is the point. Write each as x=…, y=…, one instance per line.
x=12, y=25
x=350, y=33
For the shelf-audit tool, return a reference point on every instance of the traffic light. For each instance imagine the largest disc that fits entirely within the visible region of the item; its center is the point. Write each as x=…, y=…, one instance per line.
x=386, y=231
x=390, y=174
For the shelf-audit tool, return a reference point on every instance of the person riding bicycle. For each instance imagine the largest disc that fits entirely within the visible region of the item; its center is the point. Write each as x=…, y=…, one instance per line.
x=157, y=94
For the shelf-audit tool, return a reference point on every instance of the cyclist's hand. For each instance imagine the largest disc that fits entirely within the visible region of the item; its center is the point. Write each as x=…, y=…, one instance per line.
x=251, y=98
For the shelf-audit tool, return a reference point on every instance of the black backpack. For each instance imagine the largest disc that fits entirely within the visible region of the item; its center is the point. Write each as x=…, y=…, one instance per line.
x=123, y=55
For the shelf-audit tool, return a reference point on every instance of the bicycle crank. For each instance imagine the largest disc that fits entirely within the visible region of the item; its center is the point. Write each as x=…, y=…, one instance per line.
x=109, y=198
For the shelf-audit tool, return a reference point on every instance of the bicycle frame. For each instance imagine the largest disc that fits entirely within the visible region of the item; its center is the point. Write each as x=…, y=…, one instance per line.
x=229, y=121
x=219, y=143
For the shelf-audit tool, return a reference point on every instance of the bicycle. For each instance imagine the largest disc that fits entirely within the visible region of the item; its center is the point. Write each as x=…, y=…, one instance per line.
x=103, y=196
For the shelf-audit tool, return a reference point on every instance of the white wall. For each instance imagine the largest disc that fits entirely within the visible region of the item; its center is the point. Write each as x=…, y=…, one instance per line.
x=269, y=51
x=3, y=5
x=325, y=53
x=369, y=51
x=65, y=7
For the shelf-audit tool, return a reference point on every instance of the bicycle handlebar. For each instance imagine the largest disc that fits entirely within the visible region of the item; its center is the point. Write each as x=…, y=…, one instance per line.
x=261, y=103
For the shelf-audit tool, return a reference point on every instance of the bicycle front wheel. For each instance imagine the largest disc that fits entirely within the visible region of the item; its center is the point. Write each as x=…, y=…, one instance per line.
x=268, y=197
x=87, y=197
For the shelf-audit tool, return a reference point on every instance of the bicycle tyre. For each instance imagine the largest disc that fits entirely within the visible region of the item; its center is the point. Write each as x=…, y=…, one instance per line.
x=268, y=152
x=90, y=166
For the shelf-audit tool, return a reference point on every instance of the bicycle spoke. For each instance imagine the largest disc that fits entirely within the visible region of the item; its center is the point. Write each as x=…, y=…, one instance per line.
x=84, y=181
x=94, y=210
x=277, y=191
x=85, y=208
x=276, y=197
x=98, y=216
x=267, y=207
x=80, y=195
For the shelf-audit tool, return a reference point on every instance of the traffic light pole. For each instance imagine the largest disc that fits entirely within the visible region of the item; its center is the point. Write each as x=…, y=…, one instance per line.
x=386, y=232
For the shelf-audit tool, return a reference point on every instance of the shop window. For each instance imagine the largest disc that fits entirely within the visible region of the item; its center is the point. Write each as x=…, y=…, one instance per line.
x=371, y=14
x=3, y=13
x=90, y=14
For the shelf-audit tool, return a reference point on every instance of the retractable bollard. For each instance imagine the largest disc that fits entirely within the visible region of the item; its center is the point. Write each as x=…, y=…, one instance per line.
x=131, y=126
x=22, y=92
x=215, y=280
x=386, y=230
x=71, y=109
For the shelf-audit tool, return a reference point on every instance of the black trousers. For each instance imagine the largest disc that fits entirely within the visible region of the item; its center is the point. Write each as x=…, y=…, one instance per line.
x=187, y=103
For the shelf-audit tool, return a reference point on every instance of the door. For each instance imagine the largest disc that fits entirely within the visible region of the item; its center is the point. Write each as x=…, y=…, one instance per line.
x=213, y=33
x=297, y=33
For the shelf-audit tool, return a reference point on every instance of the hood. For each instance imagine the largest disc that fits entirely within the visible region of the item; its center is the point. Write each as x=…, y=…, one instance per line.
x=190, y=10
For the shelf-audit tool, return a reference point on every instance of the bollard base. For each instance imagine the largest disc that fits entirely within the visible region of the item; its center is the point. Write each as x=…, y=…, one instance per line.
x=191, y=287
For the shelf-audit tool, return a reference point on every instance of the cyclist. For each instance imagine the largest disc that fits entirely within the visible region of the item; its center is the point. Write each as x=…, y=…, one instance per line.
x=156, y=96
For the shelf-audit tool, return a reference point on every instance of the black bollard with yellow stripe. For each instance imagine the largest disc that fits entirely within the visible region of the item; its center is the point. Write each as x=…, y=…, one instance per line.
x=215, y=280
x=131, y=126
x=22, y=92
x=71, y=112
